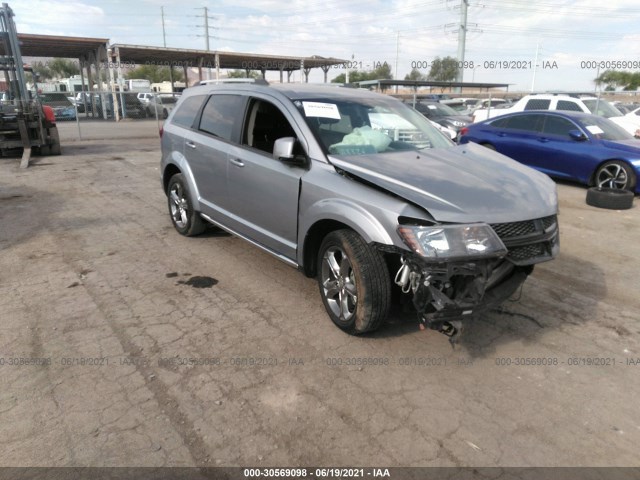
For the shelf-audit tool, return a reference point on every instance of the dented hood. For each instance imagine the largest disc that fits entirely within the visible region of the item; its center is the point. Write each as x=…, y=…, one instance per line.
x=465, y=183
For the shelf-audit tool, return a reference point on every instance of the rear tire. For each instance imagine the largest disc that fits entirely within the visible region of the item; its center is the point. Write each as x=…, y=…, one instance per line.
x=615, y=174
x=354, y=282
x=185, y=219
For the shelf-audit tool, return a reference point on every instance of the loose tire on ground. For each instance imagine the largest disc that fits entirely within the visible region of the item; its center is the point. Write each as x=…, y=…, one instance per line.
x=183, y=216
x=354, y=282
x=610, y=198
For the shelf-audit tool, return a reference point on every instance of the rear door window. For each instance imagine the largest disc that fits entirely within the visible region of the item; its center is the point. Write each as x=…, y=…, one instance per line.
x=529, y=123
x=568, y=106
x=221, y=114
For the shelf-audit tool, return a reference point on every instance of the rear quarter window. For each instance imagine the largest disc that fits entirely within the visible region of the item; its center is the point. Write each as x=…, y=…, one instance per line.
x=537, y=104
x=186, y=113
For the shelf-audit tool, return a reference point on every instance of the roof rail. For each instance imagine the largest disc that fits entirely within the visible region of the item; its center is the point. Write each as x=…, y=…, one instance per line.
x=258, y=81
x=568, y=94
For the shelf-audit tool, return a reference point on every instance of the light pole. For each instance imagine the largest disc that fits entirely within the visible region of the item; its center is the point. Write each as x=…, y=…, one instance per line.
x=473, y=73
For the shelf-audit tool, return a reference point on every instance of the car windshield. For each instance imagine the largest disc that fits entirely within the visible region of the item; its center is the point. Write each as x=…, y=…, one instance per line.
x=602, y=108
x=368, y=125
x=604, y=129
x=457, y=106
x=436, y=109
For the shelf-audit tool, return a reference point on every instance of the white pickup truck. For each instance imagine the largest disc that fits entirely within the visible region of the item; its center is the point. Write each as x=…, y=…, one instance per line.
x=565, y=102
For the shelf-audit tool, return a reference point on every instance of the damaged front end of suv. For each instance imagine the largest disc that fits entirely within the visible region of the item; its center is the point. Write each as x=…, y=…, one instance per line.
x=481, y=223
x=455, y=271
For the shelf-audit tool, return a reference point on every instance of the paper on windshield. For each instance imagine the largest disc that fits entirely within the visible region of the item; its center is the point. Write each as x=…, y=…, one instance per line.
x=594, y=129
x=319, y=109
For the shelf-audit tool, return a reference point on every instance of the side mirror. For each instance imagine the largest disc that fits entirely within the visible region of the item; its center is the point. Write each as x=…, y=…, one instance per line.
x=283, y=150
x=577, y=135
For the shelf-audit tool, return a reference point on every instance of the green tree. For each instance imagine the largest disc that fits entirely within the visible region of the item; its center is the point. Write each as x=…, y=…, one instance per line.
x=243, y=74
x=63, y=68
x=155, y=73
x=613, y=79
x=381, y=72
x=443, y=69
x=42, y=70
x=354, y=76
x=415, y=75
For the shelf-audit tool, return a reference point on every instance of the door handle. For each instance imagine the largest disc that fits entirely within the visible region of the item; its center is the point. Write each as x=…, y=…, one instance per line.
x=543, y=140
x=502, y=134
x=237, y=162
x=190, y=144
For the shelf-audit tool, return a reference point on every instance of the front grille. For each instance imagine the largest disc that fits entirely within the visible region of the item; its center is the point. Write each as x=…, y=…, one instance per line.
x=528, y=241
x=514, y=229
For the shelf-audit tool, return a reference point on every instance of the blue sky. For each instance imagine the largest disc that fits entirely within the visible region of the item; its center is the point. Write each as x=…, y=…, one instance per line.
x=569, y=34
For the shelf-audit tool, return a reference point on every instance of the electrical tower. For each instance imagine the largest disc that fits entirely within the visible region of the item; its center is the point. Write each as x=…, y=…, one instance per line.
x=206, y=27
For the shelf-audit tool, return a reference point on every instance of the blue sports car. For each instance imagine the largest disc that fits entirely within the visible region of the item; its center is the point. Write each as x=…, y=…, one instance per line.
x=567, y=145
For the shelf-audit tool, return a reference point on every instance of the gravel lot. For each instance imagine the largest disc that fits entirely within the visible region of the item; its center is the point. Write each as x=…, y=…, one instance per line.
x=142, y=347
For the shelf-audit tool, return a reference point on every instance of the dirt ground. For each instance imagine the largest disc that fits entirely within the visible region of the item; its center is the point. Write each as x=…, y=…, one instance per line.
x=123, y=343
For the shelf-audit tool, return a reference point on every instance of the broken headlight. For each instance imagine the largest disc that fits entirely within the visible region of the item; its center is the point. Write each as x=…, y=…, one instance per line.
x=448, y=242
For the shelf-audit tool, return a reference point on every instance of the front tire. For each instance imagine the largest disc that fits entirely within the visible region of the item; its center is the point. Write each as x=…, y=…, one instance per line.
x=183, y=216
x=615, y=174
x=354, y=282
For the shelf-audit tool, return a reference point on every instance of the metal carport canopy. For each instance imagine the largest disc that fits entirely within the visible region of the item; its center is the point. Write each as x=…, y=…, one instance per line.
x=143, y=55
x=56, y=46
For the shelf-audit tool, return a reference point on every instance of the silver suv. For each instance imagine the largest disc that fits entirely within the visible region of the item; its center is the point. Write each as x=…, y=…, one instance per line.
x=360, y=191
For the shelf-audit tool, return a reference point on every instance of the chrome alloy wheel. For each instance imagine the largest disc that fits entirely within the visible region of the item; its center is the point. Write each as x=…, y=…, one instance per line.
x=338, y=283
x=179, y=206
x=612, y=176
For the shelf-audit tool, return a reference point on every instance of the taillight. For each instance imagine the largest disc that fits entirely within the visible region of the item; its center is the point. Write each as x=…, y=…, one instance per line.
x=464, y=131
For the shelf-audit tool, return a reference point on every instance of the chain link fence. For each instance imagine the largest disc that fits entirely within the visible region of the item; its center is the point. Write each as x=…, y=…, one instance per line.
x=103, y=114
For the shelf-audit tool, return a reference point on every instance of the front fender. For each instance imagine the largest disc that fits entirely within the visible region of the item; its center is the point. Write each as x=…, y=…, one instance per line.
x=347, y=212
